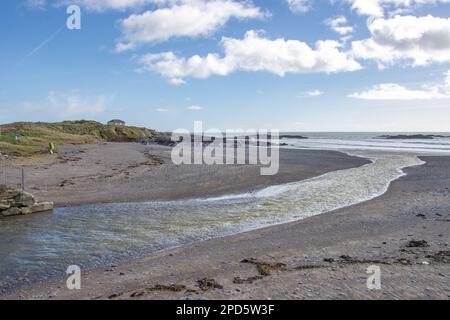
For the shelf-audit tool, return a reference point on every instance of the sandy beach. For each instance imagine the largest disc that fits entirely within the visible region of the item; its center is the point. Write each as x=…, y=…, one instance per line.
x=129, y=172
x=225, y=149
x=405, y=231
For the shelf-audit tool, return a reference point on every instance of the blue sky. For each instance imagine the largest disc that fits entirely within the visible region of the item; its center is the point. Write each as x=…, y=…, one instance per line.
x=293, y=65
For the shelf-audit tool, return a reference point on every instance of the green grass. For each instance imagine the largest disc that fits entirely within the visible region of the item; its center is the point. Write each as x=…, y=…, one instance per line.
x=35, y=137
x=8, y=138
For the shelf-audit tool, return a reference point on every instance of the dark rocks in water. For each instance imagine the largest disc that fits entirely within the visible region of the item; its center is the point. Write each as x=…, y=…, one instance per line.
x=292, y=137
x=166, y=140
x=411, y=137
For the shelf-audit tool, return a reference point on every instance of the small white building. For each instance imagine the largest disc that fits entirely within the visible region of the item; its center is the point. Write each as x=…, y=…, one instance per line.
x=117, y=123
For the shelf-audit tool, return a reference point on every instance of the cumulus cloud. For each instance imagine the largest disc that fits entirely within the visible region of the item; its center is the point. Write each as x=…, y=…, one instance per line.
x=299, y=6
x=253, y=53
x=339, y=25
x=377, y=8
x=185, y=18
x=420, y=40
x=69, y=104
x=393, y=91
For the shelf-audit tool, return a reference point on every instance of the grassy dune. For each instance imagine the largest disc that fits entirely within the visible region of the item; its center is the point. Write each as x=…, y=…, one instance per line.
x=35, y=137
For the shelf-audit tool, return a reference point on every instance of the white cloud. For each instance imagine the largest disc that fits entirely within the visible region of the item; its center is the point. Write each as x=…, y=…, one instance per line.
x=339, y=25
x=69, y=104
x=104, y=5
x=177, y=82
x=162, y=110
x=392, y=91
x=195, y=108
x=253, y=53
x=420, y=40
x=312, y=93
x=185, y=18
x=377, y=8
x=299, y=6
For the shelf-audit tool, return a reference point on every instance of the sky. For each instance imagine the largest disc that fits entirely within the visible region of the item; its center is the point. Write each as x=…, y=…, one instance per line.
x=292, y=65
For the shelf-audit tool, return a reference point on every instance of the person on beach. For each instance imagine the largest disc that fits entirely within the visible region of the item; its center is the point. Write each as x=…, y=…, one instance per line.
x=51, y=148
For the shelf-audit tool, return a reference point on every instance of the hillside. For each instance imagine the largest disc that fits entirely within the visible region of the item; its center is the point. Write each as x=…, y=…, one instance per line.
x=35, y=137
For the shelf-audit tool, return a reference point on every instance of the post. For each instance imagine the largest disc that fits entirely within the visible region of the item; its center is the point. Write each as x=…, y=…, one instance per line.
x=23, y=179
x=3, y=176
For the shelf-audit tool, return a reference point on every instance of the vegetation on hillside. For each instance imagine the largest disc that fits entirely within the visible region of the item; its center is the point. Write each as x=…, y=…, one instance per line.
x=33, y=138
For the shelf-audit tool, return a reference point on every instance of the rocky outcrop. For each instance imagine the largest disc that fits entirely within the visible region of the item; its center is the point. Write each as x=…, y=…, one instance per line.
x=411, y=137
x=292, y=137
x=15, y=202
x=162, y=140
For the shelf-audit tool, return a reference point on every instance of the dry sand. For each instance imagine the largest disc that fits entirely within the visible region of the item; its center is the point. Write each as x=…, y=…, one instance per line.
x=322, y=257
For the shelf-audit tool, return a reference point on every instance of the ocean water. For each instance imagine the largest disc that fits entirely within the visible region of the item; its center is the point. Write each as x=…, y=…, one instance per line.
x=37, y=247
x=366, y=141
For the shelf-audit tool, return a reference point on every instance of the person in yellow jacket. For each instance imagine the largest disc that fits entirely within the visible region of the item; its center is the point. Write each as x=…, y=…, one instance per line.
x=51, y=148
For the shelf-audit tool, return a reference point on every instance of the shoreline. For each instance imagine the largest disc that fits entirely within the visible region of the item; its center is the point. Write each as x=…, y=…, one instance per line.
x=295, y=159
x=131, y=172
x=133, y=280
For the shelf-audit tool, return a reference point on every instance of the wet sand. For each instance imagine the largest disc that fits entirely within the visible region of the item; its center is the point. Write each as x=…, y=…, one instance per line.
x=405, y=232
x=131, y=172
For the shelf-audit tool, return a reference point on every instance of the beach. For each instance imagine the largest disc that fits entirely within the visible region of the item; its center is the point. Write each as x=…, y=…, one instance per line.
x=326, y=256
x=225, y=149
x=129, y=172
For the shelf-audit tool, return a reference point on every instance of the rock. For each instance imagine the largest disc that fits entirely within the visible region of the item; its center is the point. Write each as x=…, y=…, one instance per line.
x=292, y=137
x=26, y=210
x=41, y=207
x=4, y=204
x=24, y=199
x=16, y=202
x=11, y=212
x=163, y=140
x=8, y=194
x=410, y=137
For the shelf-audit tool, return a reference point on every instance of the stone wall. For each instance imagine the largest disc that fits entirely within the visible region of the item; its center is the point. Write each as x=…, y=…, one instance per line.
x=15, y=202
